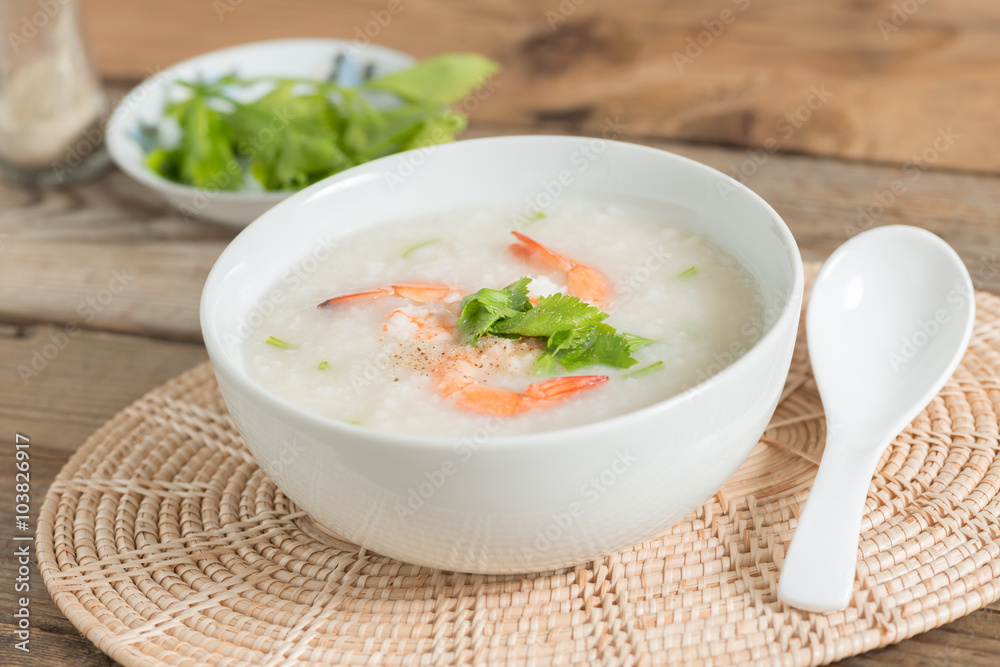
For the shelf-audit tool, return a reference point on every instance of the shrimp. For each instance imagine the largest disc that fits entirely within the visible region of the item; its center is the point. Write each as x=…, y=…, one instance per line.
x=415, y=292
x=454, y=368
x=584, y=282
x=474, y=397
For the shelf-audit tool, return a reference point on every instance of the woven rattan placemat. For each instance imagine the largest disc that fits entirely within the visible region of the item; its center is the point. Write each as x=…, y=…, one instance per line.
x=165, y=544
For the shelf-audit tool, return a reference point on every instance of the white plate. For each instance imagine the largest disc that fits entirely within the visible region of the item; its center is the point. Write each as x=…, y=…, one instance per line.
x=304, y=58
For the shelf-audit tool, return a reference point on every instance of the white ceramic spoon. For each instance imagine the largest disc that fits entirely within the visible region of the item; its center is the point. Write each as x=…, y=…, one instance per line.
x=889, y=319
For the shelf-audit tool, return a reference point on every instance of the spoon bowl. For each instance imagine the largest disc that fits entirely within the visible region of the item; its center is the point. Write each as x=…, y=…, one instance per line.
x=889, y=319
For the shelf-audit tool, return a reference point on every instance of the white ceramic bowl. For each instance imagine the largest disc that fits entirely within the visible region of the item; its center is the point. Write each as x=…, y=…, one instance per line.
x=516, y=503
x=305, y=58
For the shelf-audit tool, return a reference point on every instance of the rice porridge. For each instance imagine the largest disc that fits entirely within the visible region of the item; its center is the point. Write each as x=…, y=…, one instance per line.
x=394, y=331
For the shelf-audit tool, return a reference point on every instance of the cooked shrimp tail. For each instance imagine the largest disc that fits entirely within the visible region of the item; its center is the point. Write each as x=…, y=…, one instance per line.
x=503, y=403
x=582, y=281
x=415, y=292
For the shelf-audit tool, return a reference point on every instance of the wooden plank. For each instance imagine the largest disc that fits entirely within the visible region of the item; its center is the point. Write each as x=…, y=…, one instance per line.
x=106, y=255
x=115, y=225
x=730, y=71
x=947, y=645
x=58, y=387
x=49, y=649
x=141, y=288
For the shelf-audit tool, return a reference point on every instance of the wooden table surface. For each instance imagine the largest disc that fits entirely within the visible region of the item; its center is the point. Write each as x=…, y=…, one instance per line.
x=827, y=110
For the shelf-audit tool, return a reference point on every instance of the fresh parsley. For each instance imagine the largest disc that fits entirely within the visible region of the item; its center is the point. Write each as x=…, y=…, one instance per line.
x=574, y=331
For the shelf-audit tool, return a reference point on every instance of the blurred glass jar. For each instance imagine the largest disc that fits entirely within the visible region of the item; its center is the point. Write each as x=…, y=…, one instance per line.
x=51, y=102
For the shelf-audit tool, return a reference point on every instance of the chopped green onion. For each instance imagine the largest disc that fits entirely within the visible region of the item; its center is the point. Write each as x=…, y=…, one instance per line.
x=687, y=273
x=277, y=342
x=323, y=365
x=655, y=366
x=537, y=216
x=413, y=249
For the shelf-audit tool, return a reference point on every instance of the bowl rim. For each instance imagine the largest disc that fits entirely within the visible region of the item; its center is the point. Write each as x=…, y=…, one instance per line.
x=345, y=432
x=117, y=126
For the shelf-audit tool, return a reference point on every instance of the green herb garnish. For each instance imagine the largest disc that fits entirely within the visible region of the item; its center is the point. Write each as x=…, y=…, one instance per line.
x=537, y=216
x=440, y=80
x=277, y=342
x=482, y=310
x=323, y=366
x=552, y=314
x=635, y=342
x=589, y=346
x=575, y=332
x=298, y=131
x=655, y=366
x=687, y=273
x=412, y=249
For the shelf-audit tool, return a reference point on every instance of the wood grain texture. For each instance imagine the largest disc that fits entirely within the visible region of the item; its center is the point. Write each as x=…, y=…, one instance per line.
x=50, y=649
x=105, y=255
x=59, y=387
x=745, y=72
x=971, y=641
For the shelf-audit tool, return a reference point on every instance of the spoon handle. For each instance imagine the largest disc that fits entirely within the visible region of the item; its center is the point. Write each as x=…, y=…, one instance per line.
x=818, y=571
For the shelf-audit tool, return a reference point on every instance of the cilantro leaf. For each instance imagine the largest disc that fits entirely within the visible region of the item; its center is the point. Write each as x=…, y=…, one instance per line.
x=475, y=320
x=546, y=365
x=205, y=154
x=552, y=313
x=369, y=134
x=300, y=131
x=482, y=310
x=635, y=342
x=591, y=346
x=437, y=129
x=575, y=331
x=519, y=294
x=165, y=162
x=439, y=80
x=288, y=139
